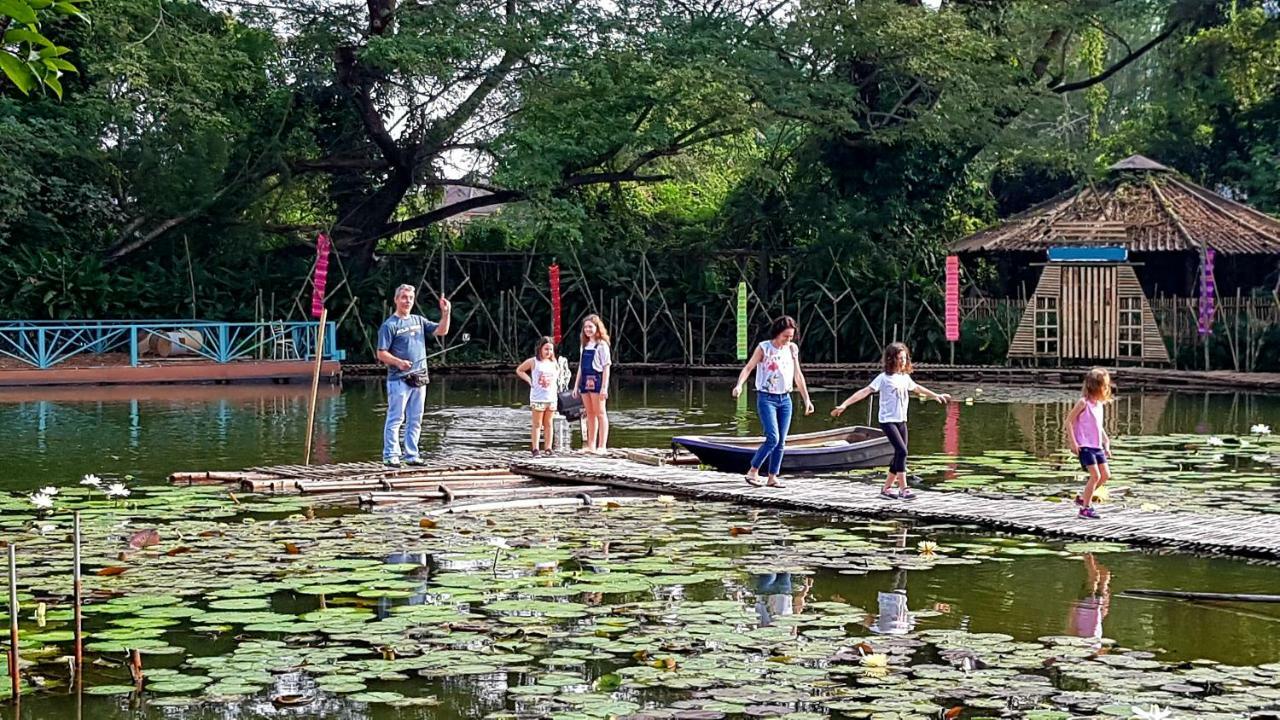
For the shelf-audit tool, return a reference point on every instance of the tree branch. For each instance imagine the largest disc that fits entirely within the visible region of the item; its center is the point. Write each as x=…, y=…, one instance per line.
x=1120, y=64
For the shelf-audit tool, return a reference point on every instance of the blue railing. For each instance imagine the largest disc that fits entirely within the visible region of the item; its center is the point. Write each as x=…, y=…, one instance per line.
x=45, y=343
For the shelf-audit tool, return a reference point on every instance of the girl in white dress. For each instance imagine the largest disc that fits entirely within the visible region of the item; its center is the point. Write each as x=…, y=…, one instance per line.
x=542, y=373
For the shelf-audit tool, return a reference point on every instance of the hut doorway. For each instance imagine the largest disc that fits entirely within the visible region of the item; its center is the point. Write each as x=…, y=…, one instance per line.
x=1086, y=311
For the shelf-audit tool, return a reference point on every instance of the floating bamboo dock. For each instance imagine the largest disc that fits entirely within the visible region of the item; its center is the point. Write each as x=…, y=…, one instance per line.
x=500, y=479
x=1249, y=534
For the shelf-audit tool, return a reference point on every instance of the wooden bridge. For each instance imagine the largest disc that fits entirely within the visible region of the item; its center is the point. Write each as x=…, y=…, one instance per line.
x=1251, y=534
x=483, y=479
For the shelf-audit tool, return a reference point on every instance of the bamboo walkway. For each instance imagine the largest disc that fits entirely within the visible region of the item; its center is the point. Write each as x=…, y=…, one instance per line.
x=1254, y=535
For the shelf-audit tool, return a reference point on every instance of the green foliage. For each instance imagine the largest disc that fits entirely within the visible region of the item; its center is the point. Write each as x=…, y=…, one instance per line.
x=827, y=149
x=28, y=59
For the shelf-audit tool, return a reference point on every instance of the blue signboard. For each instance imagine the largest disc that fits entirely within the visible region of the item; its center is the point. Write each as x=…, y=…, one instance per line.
x=1077, y=253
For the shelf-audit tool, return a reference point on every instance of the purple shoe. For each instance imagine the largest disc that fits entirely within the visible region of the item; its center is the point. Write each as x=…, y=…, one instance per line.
x=1090, y=513
x=888, y=495
x=906, y=495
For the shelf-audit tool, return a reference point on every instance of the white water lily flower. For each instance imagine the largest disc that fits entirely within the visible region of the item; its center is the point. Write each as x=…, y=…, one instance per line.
x=50, y=490
x=1260, y=429
x=1215, y=440
x=500, y=543
x=927, y=547
x=875, y=660
x=1155, y=712
x=41, y=501
x=91, y=479
x=117, y=490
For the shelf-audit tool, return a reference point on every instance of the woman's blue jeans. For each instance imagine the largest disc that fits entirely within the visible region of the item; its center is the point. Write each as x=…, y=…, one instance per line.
x=775, y=416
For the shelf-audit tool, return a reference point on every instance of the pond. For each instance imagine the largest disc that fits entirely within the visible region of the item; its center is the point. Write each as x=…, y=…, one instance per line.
x=148, y=432
x=243, y=608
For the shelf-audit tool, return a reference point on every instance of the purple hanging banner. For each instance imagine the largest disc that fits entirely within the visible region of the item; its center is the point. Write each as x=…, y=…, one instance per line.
x=1208, y=294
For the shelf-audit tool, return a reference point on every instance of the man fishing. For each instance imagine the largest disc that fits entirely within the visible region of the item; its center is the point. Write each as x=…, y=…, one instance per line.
x=402, y=347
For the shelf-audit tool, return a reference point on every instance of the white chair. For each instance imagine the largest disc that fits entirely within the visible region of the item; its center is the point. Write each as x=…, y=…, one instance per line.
x=282, y=347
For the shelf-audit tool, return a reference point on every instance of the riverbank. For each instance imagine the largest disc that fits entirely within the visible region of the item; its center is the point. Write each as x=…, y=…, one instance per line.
x=1144, y=377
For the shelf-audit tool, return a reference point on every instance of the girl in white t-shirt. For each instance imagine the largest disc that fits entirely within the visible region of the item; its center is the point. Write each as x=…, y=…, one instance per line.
x=895, y=387
x=542, y=373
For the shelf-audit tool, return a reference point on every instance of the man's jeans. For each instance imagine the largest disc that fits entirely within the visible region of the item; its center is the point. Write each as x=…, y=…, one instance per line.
x=404, y=407
x=775, y=416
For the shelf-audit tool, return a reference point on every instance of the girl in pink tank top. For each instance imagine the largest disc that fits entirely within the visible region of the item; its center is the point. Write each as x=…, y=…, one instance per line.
x=1088, y=438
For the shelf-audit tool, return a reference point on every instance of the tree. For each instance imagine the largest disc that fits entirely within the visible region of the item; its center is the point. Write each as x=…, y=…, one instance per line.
x=541, y=97
x=29, y=59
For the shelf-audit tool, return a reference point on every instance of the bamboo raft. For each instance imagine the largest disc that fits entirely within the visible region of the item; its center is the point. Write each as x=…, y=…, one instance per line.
x=1254, y=535
x=484, y=478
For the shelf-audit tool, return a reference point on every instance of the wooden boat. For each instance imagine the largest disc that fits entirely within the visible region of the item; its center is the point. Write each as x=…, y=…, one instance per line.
x=847, y=448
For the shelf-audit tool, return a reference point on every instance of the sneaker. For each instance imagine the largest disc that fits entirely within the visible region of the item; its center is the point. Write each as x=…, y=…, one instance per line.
x=1090, y=513
x=905, y=494
x=888, y=495
x=534, y=453
x=416, y=462
x=393, y=464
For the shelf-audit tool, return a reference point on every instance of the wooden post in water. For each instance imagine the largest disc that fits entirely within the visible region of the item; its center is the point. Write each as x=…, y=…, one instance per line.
x=13, y=620
x=315, y=384
x=77, y=597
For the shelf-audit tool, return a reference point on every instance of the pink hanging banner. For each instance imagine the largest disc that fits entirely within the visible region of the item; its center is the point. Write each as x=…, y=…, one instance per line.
x=1208, y=294
x=952, y=315
x=322, y=275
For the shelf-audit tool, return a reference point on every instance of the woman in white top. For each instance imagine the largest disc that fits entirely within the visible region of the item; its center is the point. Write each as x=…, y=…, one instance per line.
x=895, y=387
x=777, y=366
x=592, y=383
x=541, y=372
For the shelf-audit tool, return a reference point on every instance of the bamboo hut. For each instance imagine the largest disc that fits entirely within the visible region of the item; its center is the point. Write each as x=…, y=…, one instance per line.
x=1098, y=253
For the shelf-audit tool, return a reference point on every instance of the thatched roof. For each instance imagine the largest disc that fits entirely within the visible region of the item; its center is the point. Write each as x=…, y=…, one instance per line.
x=1142, y=205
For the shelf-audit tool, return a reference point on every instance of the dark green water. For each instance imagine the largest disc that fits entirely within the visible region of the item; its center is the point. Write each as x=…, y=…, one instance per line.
x=58, y=434
x=55, y=436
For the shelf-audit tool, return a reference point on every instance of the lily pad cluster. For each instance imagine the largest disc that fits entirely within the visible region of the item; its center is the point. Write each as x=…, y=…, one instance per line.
x=636, y=611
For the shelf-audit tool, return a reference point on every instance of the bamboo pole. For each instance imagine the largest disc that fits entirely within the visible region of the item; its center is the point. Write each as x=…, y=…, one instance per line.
x=13, y=620
x=77, y=597
x=1211, y=596
x=315, y=383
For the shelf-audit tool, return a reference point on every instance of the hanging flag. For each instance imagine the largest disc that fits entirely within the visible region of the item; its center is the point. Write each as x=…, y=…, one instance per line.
x=556, y=330
x=1208, y=294
x=953, y=298
x=321, y=275
x=742, y=320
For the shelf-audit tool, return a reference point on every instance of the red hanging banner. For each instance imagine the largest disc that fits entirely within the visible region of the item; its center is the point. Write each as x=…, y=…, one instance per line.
x=953, y=298
x=556, y=332
x=321, y=276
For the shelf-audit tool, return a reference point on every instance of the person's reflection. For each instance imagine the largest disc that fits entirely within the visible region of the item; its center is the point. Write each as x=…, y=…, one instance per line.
x=1088, y=612
x=775, y=596
x=894, y=618
x=419, y=596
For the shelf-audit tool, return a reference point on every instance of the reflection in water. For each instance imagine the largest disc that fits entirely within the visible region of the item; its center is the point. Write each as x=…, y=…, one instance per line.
x=1088, y=612
x=776, y=597
x=894, y=618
